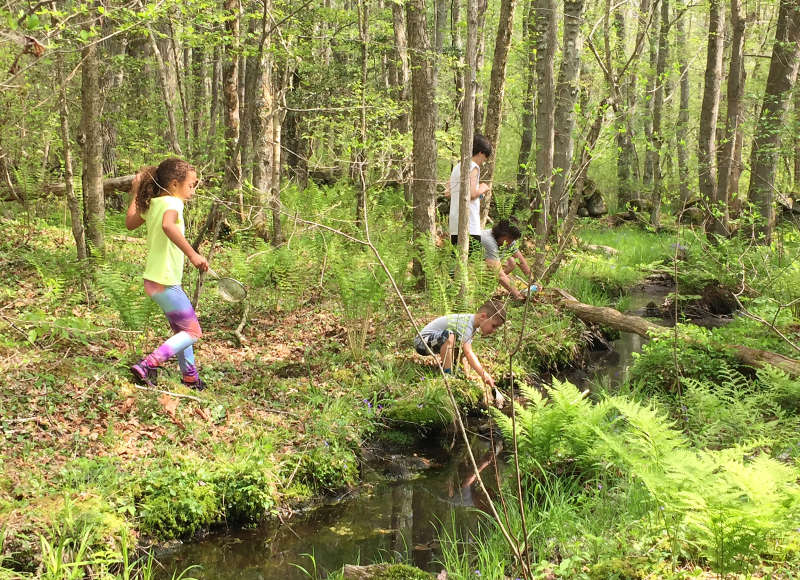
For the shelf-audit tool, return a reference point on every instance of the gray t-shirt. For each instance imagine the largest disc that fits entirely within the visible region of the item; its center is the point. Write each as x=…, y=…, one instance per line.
x=493, y=251
x=462, y=325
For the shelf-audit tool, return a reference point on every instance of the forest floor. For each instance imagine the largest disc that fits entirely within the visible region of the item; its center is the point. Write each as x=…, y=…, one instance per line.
x=283, y=418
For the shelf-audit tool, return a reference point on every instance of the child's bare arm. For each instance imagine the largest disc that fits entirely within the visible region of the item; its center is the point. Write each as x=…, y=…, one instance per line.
x=132, y=219
x=473, y=361
x=173, y=232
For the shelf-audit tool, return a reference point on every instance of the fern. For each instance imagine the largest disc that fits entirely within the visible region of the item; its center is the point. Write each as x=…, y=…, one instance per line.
x=126, y=297
x=726, y=507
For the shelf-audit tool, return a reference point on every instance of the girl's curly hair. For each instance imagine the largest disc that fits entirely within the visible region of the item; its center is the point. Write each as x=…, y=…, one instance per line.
x=154, y=180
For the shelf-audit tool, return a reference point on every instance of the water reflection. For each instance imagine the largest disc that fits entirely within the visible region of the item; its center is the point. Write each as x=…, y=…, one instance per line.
x=386, y=521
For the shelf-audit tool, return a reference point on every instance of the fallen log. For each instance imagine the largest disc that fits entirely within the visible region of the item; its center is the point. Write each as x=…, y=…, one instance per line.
x=611, y=318
x=122, y=183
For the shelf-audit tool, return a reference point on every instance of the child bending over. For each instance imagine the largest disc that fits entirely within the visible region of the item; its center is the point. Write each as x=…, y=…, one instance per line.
x=443, y=334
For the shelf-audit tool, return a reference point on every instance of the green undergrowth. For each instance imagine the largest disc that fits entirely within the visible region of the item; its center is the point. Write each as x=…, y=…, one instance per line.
x=617, y=487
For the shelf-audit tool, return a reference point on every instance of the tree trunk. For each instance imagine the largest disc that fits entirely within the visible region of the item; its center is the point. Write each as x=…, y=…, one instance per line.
x=216, y=75
x=706, y=153
x=361, y=155
x=781, y=78
x=230, y=92
x=263, y=105
x=467, y=134
x=423, y=89
x=199, y=95
x=66, y=142
x=401, y=89
x=611, y=318
x=566, y=96
x=719, y=223
x=662, y=79
x=497, y=87
x=624, y=160
x=92, y=150
x=682, y=127
x=458, y=52
x=545, y=44
x=164, y=84
x=528, y=103
x=479, y=52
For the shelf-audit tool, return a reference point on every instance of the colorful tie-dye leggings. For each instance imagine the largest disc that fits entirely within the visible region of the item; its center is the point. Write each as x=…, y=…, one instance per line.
x=183, y=320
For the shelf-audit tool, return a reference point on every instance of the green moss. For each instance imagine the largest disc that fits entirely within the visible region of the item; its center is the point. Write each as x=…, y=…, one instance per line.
x=616, y=569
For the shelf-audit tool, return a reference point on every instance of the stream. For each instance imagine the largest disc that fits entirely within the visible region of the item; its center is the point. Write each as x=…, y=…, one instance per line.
x=395, y=516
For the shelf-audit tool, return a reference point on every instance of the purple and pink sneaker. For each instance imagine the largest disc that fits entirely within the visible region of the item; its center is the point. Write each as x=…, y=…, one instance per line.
x=144, y=374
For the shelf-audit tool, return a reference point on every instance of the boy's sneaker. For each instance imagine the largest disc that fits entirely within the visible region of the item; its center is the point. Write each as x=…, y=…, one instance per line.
x=197, y=383
x=144, y=374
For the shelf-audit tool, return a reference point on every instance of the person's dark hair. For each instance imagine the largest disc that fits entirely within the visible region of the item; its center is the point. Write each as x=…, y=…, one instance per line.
x=156, y=180
x=505, y=229
x=481, y=144
x=494, y=309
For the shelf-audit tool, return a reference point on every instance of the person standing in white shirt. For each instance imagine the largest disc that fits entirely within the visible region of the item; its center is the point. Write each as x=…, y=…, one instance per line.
x=481, y=151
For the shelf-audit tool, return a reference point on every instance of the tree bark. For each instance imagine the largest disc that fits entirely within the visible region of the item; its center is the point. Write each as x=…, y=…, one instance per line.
x=719, y=224
x=545, y=44
x=479, y=52
x=423, y=88
x=497, y=87
x=467, y=134
x=92, y=150
x=566, y=96
x=458, y=52
x=263, y=105
x=528, y=103
x=782, y=75
x=661, y=80
x=169, y=106
x=230, y=92
x=611, y=318
x=706, y=154
x=66, y=142
x=682, y=127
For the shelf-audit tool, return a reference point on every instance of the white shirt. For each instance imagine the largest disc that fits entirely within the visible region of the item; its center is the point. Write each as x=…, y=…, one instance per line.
x=474, y=227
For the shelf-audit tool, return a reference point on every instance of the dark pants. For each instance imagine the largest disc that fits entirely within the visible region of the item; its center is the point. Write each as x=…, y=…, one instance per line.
x=474, y=243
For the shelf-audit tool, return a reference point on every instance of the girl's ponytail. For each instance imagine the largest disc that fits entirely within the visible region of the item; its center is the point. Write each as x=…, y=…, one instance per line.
x=155, y=180
x=147, y=190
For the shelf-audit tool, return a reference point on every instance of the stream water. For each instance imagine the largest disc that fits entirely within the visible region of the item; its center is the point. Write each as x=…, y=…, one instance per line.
x=387, y=519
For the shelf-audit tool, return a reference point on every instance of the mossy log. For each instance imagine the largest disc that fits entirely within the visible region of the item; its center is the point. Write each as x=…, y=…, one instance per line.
x=605, y=316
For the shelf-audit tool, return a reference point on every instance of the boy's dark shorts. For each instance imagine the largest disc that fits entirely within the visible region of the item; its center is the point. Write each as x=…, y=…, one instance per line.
x=434, y=341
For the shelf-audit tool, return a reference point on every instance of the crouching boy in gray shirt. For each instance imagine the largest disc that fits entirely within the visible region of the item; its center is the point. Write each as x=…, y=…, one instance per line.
x=440, y=336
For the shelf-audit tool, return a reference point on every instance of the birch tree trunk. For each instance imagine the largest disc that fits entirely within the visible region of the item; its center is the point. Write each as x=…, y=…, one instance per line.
x=497, y=88
x=706, y=151
x=566, y=96
x=719, y=224
x=92, y=150
x=423, y=90
x=782, y=75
